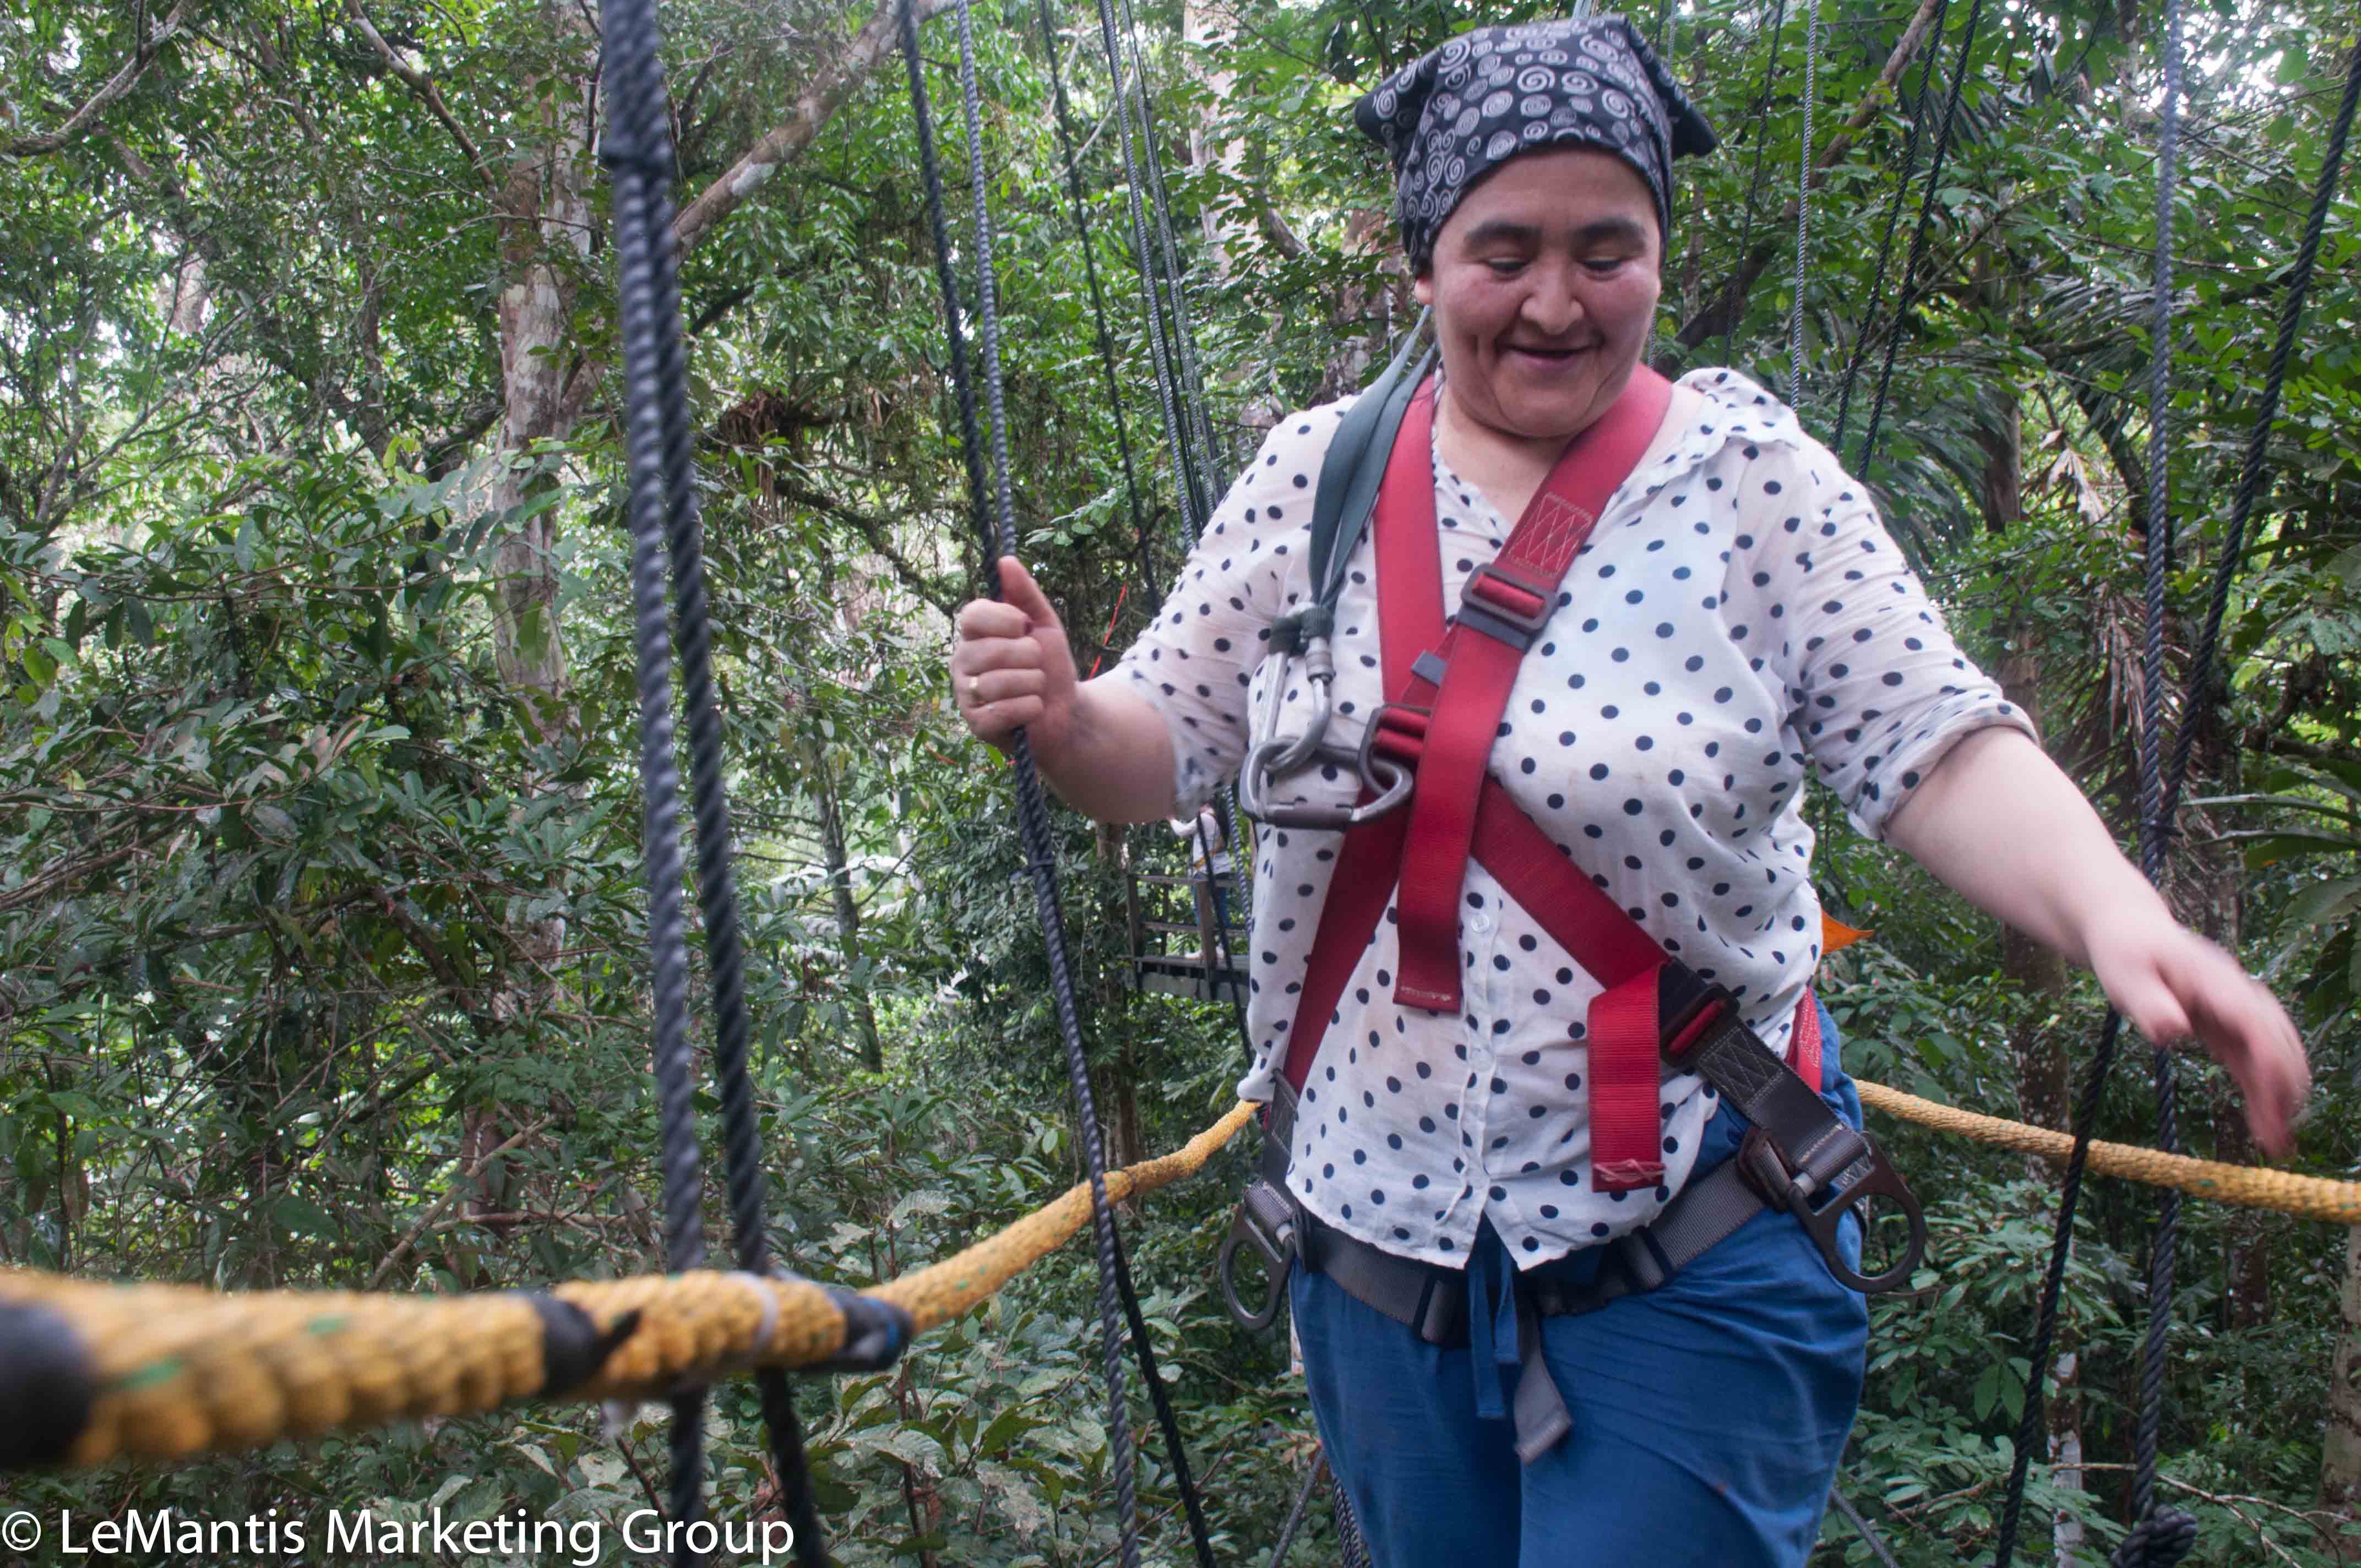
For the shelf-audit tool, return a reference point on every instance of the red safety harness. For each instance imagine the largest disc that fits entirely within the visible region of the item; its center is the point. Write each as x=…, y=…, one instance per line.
x=1449, y=687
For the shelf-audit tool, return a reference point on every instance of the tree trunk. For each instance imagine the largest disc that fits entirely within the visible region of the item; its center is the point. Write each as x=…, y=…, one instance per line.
x=1118, y=1087
x=2037, y=1041
x=543, y=213
x=2340, y=1454
x=854, y=987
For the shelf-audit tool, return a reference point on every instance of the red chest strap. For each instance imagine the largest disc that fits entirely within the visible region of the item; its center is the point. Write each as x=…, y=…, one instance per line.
x=1449, y=688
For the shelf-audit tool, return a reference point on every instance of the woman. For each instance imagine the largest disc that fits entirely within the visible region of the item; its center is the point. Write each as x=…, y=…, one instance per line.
x=1738, y=616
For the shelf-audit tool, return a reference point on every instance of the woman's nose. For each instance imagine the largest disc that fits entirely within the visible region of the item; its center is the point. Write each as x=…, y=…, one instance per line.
x=1552, y=305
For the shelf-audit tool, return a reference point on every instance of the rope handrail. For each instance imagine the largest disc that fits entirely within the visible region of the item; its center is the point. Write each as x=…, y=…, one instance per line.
x=147, y=1371
x=2249, y=1186
x=92, y=1371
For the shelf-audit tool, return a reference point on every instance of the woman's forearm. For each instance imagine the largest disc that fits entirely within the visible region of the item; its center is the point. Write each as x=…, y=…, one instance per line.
x=2001, y=824
x=1114, y=760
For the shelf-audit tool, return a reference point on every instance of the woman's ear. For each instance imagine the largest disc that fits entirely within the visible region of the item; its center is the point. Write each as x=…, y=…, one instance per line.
x=1421, y=289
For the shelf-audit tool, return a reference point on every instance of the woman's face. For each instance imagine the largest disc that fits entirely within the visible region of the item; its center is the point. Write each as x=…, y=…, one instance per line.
x=1544, y=285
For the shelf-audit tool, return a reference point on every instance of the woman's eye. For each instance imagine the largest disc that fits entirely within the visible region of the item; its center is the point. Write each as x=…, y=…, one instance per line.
x=1505, y=266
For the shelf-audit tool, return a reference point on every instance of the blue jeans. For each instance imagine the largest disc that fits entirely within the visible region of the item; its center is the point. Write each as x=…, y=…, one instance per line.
x=1709, y=1414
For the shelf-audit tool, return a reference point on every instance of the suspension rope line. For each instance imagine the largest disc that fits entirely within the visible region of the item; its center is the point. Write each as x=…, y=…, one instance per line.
x=2198, y=691
x=1754, y=177
x=1802, y=203
x=666, y=530
x=1193, y=406
x=2163, y=1249
x=1860, y=1527
x=1920, y=238
x=1151, y=310
x=1149, y=576
x=1296, y=1511
x=1039, y=844
x=1032, y=808
x=1886, y=237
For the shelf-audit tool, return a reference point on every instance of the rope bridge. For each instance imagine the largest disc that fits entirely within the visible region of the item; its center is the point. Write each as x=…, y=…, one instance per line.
x=91, y=1372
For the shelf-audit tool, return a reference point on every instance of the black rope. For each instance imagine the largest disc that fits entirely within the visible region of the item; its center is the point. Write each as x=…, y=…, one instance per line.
x=1301, y=1505
x=2164, y=1248
x=1032, y=807
x=1184, y=1480
x=1908, y=296
x=1194, y=417
x=1754, y=178
x=1860, y=1527
x=2163, y=1534
x=1193, y=510
x=1350, y=1547
x=1892, y=217
x=1149, y=576
x=664, y=525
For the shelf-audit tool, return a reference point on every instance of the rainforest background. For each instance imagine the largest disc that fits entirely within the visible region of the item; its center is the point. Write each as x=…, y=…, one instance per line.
x=321, y=931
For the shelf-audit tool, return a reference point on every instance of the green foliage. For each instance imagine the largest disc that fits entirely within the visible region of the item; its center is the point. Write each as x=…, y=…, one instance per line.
x=320, y=924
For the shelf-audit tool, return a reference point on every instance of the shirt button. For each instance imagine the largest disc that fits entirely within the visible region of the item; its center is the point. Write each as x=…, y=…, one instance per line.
x=1479, y=924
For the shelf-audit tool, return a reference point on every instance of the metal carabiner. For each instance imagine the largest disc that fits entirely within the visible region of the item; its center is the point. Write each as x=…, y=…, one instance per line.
x=1274, y=756
x=1871, y=1176
x=1265, y=1221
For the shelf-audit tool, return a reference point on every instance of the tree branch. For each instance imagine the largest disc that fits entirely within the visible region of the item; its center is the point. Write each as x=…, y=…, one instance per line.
x=122, y=81
x=424, y=86
x=1729, y=301
x=822, y=95
x=877, y=536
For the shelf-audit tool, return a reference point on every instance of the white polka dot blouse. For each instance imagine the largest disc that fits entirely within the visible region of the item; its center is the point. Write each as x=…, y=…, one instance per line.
x=1739, y=621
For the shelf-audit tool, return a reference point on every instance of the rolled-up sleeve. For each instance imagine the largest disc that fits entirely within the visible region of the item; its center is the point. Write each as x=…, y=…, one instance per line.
x=1195, y=661
x=1876, y=689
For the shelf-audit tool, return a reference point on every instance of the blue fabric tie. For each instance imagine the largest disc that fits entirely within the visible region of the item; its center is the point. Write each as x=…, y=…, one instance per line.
x=1491, y=1324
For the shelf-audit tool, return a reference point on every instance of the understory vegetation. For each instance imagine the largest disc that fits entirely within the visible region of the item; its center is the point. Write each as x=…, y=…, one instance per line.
x=322, y=932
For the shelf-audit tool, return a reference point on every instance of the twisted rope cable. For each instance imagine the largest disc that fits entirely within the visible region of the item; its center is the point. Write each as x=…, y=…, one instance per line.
x=1168, y=1422
x=1920, y=238
x=1149, y=576
x=1350, y=1547
x=638, y=154
x=1803, y=203
x=2157, y=1550
x=2251, y=474
x=1032, y=808
x=963, y=384
x=1151, y=309
x=1886, y=238
x=1754, y=177
x=2249, y=490
x=92, y=1371
x=638, y=106
x=2247, y=1186
x=1194, y=416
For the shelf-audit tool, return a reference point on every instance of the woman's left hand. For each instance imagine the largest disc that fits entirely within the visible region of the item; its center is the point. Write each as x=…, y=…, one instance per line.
x=1998, y=822
x=2172, y=984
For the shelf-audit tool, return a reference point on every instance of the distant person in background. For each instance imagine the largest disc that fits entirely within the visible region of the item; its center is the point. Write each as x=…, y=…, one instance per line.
x=1210, y=869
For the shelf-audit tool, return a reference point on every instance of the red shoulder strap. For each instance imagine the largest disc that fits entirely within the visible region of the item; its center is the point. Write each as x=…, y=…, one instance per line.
x=1450, y=687
x=1464, y=686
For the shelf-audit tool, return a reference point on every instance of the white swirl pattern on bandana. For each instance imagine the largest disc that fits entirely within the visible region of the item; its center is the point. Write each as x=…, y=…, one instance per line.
x=1458, y=113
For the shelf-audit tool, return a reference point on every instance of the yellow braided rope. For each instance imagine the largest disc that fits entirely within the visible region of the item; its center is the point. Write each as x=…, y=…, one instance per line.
x=2253, y=1187
x=181, y=1370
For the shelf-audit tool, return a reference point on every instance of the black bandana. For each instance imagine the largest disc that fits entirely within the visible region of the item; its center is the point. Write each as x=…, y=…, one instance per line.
x=1454, y=116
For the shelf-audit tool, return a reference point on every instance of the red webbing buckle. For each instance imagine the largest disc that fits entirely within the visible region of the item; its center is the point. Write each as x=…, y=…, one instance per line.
x=1396, y=732
x=1686, y=1029
x=1506, y=608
